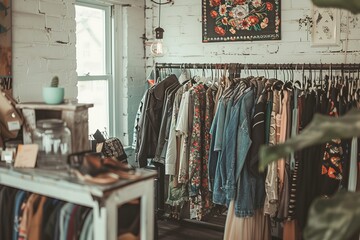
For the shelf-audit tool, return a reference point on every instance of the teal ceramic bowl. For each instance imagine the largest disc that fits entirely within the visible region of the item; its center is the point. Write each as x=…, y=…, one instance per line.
x=53, y=95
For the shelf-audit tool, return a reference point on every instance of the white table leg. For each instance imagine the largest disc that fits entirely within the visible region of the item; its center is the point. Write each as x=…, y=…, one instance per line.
x=147, y=212
x=100, y=222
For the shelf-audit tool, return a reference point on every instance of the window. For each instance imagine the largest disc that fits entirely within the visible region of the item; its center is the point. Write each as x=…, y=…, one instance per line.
x=93, y=53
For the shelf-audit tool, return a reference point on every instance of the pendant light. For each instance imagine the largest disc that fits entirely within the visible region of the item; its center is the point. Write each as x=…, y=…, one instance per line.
x=157, y=47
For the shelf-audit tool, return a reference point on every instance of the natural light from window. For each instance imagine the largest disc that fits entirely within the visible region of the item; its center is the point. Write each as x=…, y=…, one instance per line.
x=91, y=53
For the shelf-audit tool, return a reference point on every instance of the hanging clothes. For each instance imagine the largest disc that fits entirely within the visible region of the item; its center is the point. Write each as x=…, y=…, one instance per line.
x=209, y=142
x=150, y=122
x=177, y=193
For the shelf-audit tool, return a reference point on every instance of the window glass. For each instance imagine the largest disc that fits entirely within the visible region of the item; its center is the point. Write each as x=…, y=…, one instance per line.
x=90, y=41
x=92, y=54
x=95, y=92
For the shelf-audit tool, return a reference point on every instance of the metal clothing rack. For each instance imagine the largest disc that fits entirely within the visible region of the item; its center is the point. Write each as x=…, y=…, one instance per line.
x=286, y=66
x=327, y=67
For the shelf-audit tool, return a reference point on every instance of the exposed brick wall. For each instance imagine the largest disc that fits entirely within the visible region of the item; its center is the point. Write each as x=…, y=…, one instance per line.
x=134, y=66
x=183, y=37
x=43, y=46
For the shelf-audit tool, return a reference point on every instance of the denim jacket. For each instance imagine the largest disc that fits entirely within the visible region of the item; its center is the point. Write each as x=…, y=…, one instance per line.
x=249, y=190
x=216, y=142
x=220, y=188
x=227, y=161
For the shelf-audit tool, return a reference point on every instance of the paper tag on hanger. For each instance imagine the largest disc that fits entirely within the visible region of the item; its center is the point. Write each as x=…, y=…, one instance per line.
x=13, y=125
x=99, y=147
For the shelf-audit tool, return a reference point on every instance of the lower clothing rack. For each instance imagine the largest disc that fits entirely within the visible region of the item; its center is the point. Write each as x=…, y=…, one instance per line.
x=160, y=201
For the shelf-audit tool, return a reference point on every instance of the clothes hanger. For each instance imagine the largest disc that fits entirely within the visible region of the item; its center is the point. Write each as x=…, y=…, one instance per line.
x=342, y=80
x=351, y=86
x=238, y=70
x=330, y=82
x=184, y=75
x=212, y=74
x=303, y=80
x=289, y=83
x=297, y=83
x=357, y=83
x=209, y=79
x=320, y=85
x=265, y=73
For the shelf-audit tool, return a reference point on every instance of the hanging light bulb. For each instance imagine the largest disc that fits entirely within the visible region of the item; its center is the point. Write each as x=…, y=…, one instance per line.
x=157, y=47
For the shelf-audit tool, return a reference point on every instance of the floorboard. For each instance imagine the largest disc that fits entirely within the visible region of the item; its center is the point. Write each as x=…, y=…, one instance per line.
x=170, y=230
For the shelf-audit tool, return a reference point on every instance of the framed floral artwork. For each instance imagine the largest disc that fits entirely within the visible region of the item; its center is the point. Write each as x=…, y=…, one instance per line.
x=240, y=20
x=5, y=46
x=325, y=27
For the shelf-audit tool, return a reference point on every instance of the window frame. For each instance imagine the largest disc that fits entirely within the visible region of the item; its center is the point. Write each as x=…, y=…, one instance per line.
x=109, y=64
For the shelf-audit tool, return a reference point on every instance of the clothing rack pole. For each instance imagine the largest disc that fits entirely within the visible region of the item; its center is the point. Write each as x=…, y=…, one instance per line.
x=286, y=66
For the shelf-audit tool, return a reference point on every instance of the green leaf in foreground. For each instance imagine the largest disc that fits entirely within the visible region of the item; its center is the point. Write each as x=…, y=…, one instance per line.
x=320, y=130
x=336, y=218
x=351, y=5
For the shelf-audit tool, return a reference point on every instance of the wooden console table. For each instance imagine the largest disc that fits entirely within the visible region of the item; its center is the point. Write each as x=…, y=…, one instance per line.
x=103, y=199
x=75, y=116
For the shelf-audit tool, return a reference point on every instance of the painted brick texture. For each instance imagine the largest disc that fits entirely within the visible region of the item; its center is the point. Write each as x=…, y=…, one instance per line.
x=43, y=46
x=183, y=38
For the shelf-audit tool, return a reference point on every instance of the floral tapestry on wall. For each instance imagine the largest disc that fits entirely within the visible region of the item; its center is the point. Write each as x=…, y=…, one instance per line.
x=5, y=46
x=240, y=20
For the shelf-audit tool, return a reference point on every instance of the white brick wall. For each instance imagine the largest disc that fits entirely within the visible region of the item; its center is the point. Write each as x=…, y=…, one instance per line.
x=43, y=46
x=131, y=86
x=183, y=38
x=44, y=39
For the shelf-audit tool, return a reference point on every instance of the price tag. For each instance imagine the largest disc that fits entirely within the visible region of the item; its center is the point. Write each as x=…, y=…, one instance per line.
x=26, y=155
x=7, y=156
x=13, y=125
x=99, y=147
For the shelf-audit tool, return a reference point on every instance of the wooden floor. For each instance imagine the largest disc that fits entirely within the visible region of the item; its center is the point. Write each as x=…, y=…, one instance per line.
x=169, y=230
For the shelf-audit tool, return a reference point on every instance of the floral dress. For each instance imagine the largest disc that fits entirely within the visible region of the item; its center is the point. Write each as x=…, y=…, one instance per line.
x=333, y=154
x=200, y=203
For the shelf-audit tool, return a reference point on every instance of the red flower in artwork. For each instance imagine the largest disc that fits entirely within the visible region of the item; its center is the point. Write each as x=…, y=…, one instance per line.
x=220, y=31
x=244, y=24
x=231, y=17
x=269, y=6
x=224, y=21
x=324, y=170
x=215, y=3
x=223, y=10
x=253, y=20
x=232, y=22
x=213, y=14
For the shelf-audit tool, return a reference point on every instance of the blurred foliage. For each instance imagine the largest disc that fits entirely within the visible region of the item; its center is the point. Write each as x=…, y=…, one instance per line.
x=320, y=130
x=338, y=217
x=351, y=5
x=335, y=218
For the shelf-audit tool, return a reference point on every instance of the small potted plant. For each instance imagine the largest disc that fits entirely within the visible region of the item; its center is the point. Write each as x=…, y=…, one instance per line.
x=53, y=94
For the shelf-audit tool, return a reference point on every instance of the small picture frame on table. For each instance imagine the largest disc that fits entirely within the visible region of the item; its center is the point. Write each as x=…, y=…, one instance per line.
x=326, y=27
